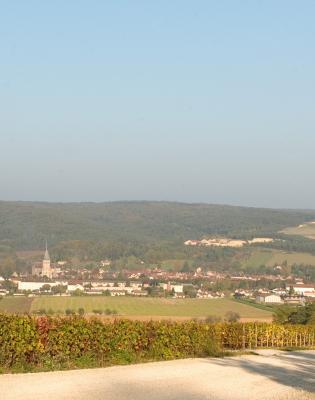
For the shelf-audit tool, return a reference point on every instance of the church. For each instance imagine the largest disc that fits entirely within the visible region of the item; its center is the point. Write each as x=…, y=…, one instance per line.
x=43, y=269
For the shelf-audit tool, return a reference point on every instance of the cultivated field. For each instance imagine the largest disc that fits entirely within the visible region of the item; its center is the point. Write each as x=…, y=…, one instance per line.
x=291, y=258
x=257, y=258
x=147, y=307
x=306, y=230
x=277, y=257
x=16, y=304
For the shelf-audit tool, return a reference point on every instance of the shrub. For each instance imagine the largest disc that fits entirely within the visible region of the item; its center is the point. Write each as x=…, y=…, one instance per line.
x=232, y=316
x=19, y=341
x=69, y=311
x=66, y=342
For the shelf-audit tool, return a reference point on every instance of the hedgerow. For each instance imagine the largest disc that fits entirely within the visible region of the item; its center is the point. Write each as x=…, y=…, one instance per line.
x=32, y=343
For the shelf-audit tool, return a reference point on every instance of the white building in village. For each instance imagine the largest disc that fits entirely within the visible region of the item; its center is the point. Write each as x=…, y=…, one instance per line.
x=178, y=288
x=33, y=286
x=303, y=290
x=270, y=298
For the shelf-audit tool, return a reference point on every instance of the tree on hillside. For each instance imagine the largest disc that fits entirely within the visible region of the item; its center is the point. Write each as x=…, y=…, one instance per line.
x=185, y=267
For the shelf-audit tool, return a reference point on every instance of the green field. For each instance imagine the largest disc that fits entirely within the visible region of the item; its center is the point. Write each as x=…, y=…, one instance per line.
x=276, y=257
x=146, y=307
x=291, y=258
x=257, y=258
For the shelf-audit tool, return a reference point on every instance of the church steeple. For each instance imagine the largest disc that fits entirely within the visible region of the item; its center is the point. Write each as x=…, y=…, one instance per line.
x=46, y=267
x=46, y=256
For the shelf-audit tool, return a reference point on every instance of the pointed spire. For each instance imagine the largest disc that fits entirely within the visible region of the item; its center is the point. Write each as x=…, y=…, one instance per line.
x=46, y=257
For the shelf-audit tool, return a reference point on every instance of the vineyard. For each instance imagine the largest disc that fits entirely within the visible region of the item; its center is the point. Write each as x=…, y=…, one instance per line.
x=47, y=343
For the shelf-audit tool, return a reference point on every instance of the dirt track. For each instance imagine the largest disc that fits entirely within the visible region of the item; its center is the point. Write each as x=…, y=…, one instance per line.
x=260, y=377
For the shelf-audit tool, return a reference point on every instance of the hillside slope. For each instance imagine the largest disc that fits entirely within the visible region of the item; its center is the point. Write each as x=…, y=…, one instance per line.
x=27, y=224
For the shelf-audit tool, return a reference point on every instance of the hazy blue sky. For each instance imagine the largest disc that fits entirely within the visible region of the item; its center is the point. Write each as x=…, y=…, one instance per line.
x=210, y=101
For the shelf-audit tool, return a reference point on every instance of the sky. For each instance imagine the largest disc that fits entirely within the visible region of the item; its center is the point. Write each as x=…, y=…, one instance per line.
x=192, y=101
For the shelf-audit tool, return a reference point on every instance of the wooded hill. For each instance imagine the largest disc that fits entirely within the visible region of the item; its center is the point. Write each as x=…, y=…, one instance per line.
x=26, y=225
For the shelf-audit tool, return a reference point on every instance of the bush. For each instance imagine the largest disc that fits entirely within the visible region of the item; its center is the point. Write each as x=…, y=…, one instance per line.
x=69, y=311
x=45, y=342
x=232, y=316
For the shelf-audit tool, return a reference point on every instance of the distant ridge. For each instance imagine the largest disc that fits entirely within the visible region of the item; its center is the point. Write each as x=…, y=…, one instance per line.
x=28, y=224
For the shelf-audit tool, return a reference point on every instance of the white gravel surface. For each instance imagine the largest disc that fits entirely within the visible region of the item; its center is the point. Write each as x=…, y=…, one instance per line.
x=269, y=375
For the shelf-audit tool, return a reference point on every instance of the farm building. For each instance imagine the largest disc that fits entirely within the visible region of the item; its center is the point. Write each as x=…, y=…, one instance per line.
x=270, y=298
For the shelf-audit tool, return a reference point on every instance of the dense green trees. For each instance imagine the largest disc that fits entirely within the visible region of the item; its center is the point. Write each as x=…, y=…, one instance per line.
x=302, y=315
x=59, y=289
x=28, y=224
x=133, y=233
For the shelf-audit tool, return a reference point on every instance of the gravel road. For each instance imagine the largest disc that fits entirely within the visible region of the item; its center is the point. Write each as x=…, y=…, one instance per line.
x=269, y=375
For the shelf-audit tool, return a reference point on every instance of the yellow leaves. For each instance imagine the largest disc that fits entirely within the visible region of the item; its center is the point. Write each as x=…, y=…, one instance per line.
x=56, y=341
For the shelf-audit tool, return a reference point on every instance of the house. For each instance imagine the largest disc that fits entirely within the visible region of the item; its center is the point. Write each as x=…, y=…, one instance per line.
x=301, y=289
x=117, y=292
x=309, y=294
x=279, y=291
x=269, y=298
x=140, y=293
x=239, y=293
x=105, y=263
x=32, y=286
x=170, y=287
x=72, y=287
x=294, y=300
x=203, y=294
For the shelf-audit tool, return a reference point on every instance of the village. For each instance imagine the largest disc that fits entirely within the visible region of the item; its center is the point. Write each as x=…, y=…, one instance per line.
x=56, y=279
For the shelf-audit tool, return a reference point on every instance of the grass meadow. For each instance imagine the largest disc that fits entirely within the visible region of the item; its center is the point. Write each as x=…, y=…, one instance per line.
x=150, y=307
